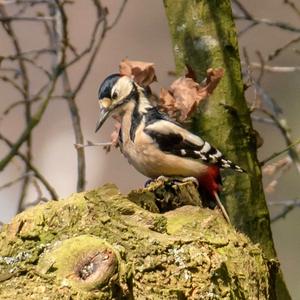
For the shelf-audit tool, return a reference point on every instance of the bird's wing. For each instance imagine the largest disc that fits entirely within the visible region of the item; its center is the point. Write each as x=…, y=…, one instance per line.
x=176, y=140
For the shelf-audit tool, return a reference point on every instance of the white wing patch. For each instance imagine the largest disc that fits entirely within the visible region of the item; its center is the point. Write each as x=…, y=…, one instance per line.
x=166, y=127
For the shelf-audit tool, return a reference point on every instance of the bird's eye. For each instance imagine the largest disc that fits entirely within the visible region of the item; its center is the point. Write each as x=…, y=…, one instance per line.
x=115, y=95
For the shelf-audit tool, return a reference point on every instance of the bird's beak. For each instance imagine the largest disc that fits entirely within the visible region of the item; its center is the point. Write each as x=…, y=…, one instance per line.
x=105, y=109
x=104, y=114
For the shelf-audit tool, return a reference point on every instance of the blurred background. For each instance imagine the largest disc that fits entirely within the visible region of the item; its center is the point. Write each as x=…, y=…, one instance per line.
x=141, y=33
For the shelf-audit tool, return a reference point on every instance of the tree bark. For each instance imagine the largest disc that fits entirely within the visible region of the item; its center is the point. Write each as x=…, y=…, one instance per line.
x=101, y=245
x=204, y=36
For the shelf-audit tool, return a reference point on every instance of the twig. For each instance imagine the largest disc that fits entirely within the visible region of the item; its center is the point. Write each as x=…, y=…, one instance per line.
x=75, y=117
x=14, y=84
x=34, y=121
x=279, y=50
x=278, y=24
x=23, y=194
x=56, y=26
x=8, y=2
x=25, y=87
x=262, y=65
x=276, y=154
x=242, y=8
x=119, y=14
x=37, y=174
x=30, y=19
x=262, y=120
x=268, y=101
x=14, y=181
x=92, y=144
x=289, y=205
x=279, y=173
x=276, y=69
x=222, y=208
x=293, y=6
x=282, y=126
x=88, y=49
x=61, y=35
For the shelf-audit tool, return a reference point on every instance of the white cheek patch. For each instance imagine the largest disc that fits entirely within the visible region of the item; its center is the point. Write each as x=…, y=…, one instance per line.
x=123, y=87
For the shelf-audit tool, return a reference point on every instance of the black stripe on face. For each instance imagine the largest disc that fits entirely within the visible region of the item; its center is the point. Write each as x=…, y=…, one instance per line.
x=136, y=116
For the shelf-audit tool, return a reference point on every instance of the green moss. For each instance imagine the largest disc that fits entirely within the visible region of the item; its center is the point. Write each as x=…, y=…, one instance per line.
x=188, y=252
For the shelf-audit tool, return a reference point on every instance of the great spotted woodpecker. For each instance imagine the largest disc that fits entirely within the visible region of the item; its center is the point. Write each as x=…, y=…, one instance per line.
x=156, y=145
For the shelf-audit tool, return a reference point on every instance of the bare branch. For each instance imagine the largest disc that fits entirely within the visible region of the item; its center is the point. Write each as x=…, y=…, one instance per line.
x=30, y=19
x=288, y=206
x=14, y=181
x=275, y=69
x=119, y=14
x=293, y=6
x=34, y=121
x=278, y=24
x=281, y=123
x=92, y=144
x=276, y=154
x=30, y=166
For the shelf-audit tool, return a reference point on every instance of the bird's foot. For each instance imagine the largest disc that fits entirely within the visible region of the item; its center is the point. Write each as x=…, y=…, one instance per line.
x=175, y=180
x=165, y=179
x=161, y=178
x=192, y=179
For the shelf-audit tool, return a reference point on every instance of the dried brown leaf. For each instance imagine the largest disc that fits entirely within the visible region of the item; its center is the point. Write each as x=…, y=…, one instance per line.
x=141, y=72
x=184, y=95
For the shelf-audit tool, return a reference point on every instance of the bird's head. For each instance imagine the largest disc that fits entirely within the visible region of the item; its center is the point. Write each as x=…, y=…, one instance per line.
x=114, y=93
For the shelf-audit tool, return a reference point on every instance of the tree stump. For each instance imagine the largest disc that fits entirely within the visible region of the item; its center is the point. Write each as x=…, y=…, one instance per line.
x=155, y=243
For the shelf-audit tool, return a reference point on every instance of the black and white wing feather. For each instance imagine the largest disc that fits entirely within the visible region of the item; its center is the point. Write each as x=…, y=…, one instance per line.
x=174, y=139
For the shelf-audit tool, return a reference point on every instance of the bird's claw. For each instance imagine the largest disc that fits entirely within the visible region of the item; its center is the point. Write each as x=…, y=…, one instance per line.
x=192, y=179
x=163, y=178
x=178, y=180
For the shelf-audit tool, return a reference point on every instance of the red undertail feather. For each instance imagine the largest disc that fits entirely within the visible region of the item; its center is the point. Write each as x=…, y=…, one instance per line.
x=210, y=182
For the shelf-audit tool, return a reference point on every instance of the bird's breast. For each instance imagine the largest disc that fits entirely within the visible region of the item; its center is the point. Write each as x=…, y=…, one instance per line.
x=143, y=153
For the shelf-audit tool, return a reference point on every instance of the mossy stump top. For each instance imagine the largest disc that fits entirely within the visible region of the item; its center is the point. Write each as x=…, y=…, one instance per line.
x=101, y=244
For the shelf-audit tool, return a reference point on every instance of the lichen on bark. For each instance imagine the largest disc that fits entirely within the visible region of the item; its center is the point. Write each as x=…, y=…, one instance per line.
x=101, y=245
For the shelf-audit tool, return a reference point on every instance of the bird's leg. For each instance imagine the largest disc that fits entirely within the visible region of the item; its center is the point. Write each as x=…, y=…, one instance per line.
x=224, y=212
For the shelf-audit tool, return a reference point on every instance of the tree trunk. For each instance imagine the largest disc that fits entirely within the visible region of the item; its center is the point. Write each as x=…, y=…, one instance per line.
x=101, y=245
x=203, y=35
